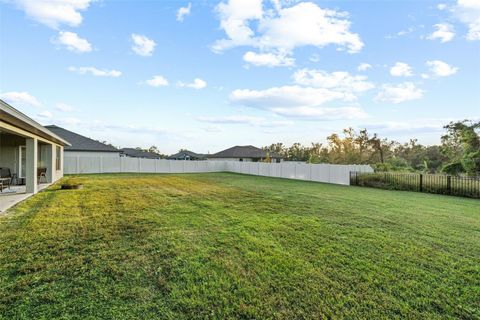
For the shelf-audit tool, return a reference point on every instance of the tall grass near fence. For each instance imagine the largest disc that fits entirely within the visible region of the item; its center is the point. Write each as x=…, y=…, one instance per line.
x=430, y=183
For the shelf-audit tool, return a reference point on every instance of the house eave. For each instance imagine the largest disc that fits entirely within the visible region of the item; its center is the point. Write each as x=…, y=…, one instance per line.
x=13, y=117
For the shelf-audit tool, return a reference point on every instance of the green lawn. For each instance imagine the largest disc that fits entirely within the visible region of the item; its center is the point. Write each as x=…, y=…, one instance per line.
x=222, y=246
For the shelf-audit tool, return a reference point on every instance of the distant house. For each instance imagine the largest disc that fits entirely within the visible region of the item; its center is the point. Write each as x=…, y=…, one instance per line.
x=139, y=153
x=83, y=146
x=245, y=153
x=187, y=155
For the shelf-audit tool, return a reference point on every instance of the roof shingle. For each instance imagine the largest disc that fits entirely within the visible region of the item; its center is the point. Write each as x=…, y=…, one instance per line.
x=244, y=152
x=139, y=153
x=79, y=142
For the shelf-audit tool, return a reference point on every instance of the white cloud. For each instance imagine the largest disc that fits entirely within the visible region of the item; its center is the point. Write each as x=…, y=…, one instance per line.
x=364, y=66
x=305, y=99
x=278, y=29
x=425, y=76
x=468, y=12
x=406, y=31
x=54, y=13
x=245, y=119
x=441, y=6
x=312, y=113
x=96, y=72
x=441, y=69
x=236, y=119
x=403, y=32
x=45, y=114
x=286, y=97
x=314, y=58
x=20, y=98
x=444, y=32
x=73, y=42
x=234, y=18
x=196, y=84
x=142, y=45
x=183, y=12
x=71, y=121
x=213, y=129
x=157, y=81
x=401, y=69
x=64, y=107
x=339, y=80
x=269, y=59
x=399, y=93
x=414, y=126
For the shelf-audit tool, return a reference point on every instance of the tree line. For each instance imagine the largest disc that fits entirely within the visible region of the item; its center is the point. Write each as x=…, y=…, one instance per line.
x=458, y=152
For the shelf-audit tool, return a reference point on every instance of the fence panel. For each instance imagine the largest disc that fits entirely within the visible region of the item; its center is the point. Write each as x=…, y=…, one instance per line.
x=129, y=165
x=338, y=174
x=89, y=164
x=287, y=170
x=111, y=164
x=70, y=165
x=147, y=165
x=264, y=169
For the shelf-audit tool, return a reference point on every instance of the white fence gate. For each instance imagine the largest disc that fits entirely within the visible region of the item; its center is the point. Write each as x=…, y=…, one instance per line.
x=329, y=173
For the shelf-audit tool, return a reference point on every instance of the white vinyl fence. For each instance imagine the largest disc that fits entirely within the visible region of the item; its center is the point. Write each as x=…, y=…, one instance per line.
x=329, y=173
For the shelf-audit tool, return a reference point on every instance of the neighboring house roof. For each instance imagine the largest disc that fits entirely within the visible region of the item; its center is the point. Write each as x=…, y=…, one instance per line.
x=244, y=152
x=79, y=142
x=182, y=154
x=138, y=153
x=15, y=118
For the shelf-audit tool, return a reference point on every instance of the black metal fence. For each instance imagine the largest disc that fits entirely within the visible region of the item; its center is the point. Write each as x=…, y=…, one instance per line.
x=431, y=183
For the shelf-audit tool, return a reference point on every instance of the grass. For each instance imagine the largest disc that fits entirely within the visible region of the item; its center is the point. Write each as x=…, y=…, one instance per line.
x=227, y=246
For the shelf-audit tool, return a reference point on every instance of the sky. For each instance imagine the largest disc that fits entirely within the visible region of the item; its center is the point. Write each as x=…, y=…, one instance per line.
x=208, y=75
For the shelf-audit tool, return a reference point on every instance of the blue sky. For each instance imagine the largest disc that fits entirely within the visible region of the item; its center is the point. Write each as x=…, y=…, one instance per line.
x=206, y=75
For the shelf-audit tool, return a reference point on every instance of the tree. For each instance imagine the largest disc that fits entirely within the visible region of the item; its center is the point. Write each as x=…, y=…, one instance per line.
x=461, y=145
x=458, y=153
x=154, y=149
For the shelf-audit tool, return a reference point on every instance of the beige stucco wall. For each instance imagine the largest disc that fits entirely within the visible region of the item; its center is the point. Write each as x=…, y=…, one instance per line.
x=9, y=153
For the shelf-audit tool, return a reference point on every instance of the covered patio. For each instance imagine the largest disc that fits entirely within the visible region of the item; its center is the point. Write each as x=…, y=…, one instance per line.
x=12, y=196
x=31, y=157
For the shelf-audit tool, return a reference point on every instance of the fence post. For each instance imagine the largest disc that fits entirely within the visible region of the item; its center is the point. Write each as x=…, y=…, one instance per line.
x=449, y=184
x=421, y=183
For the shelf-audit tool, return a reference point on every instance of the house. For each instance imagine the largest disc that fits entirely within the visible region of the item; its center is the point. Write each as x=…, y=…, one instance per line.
x=28, y=149
x=139, y=153
x=245, y=153
x=83, y=146
x=187, y=155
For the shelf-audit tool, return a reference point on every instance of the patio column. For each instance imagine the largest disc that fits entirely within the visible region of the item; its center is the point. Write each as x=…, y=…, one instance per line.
x=50, y=162
x=31, y=165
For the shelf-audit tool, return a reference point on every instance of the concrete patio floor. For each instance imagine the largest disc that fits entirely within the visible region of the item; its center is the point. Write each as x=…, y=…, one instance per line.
x=12, y=196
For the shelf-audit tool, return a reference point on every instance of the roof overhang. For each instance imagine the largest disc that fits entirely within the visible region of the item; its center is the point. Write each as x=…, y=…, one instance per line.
x=17, y=119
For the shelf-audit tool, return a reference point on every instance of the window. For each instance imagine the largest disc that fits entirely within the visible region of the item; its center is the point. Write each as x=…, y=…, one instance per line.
x=58, y=157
